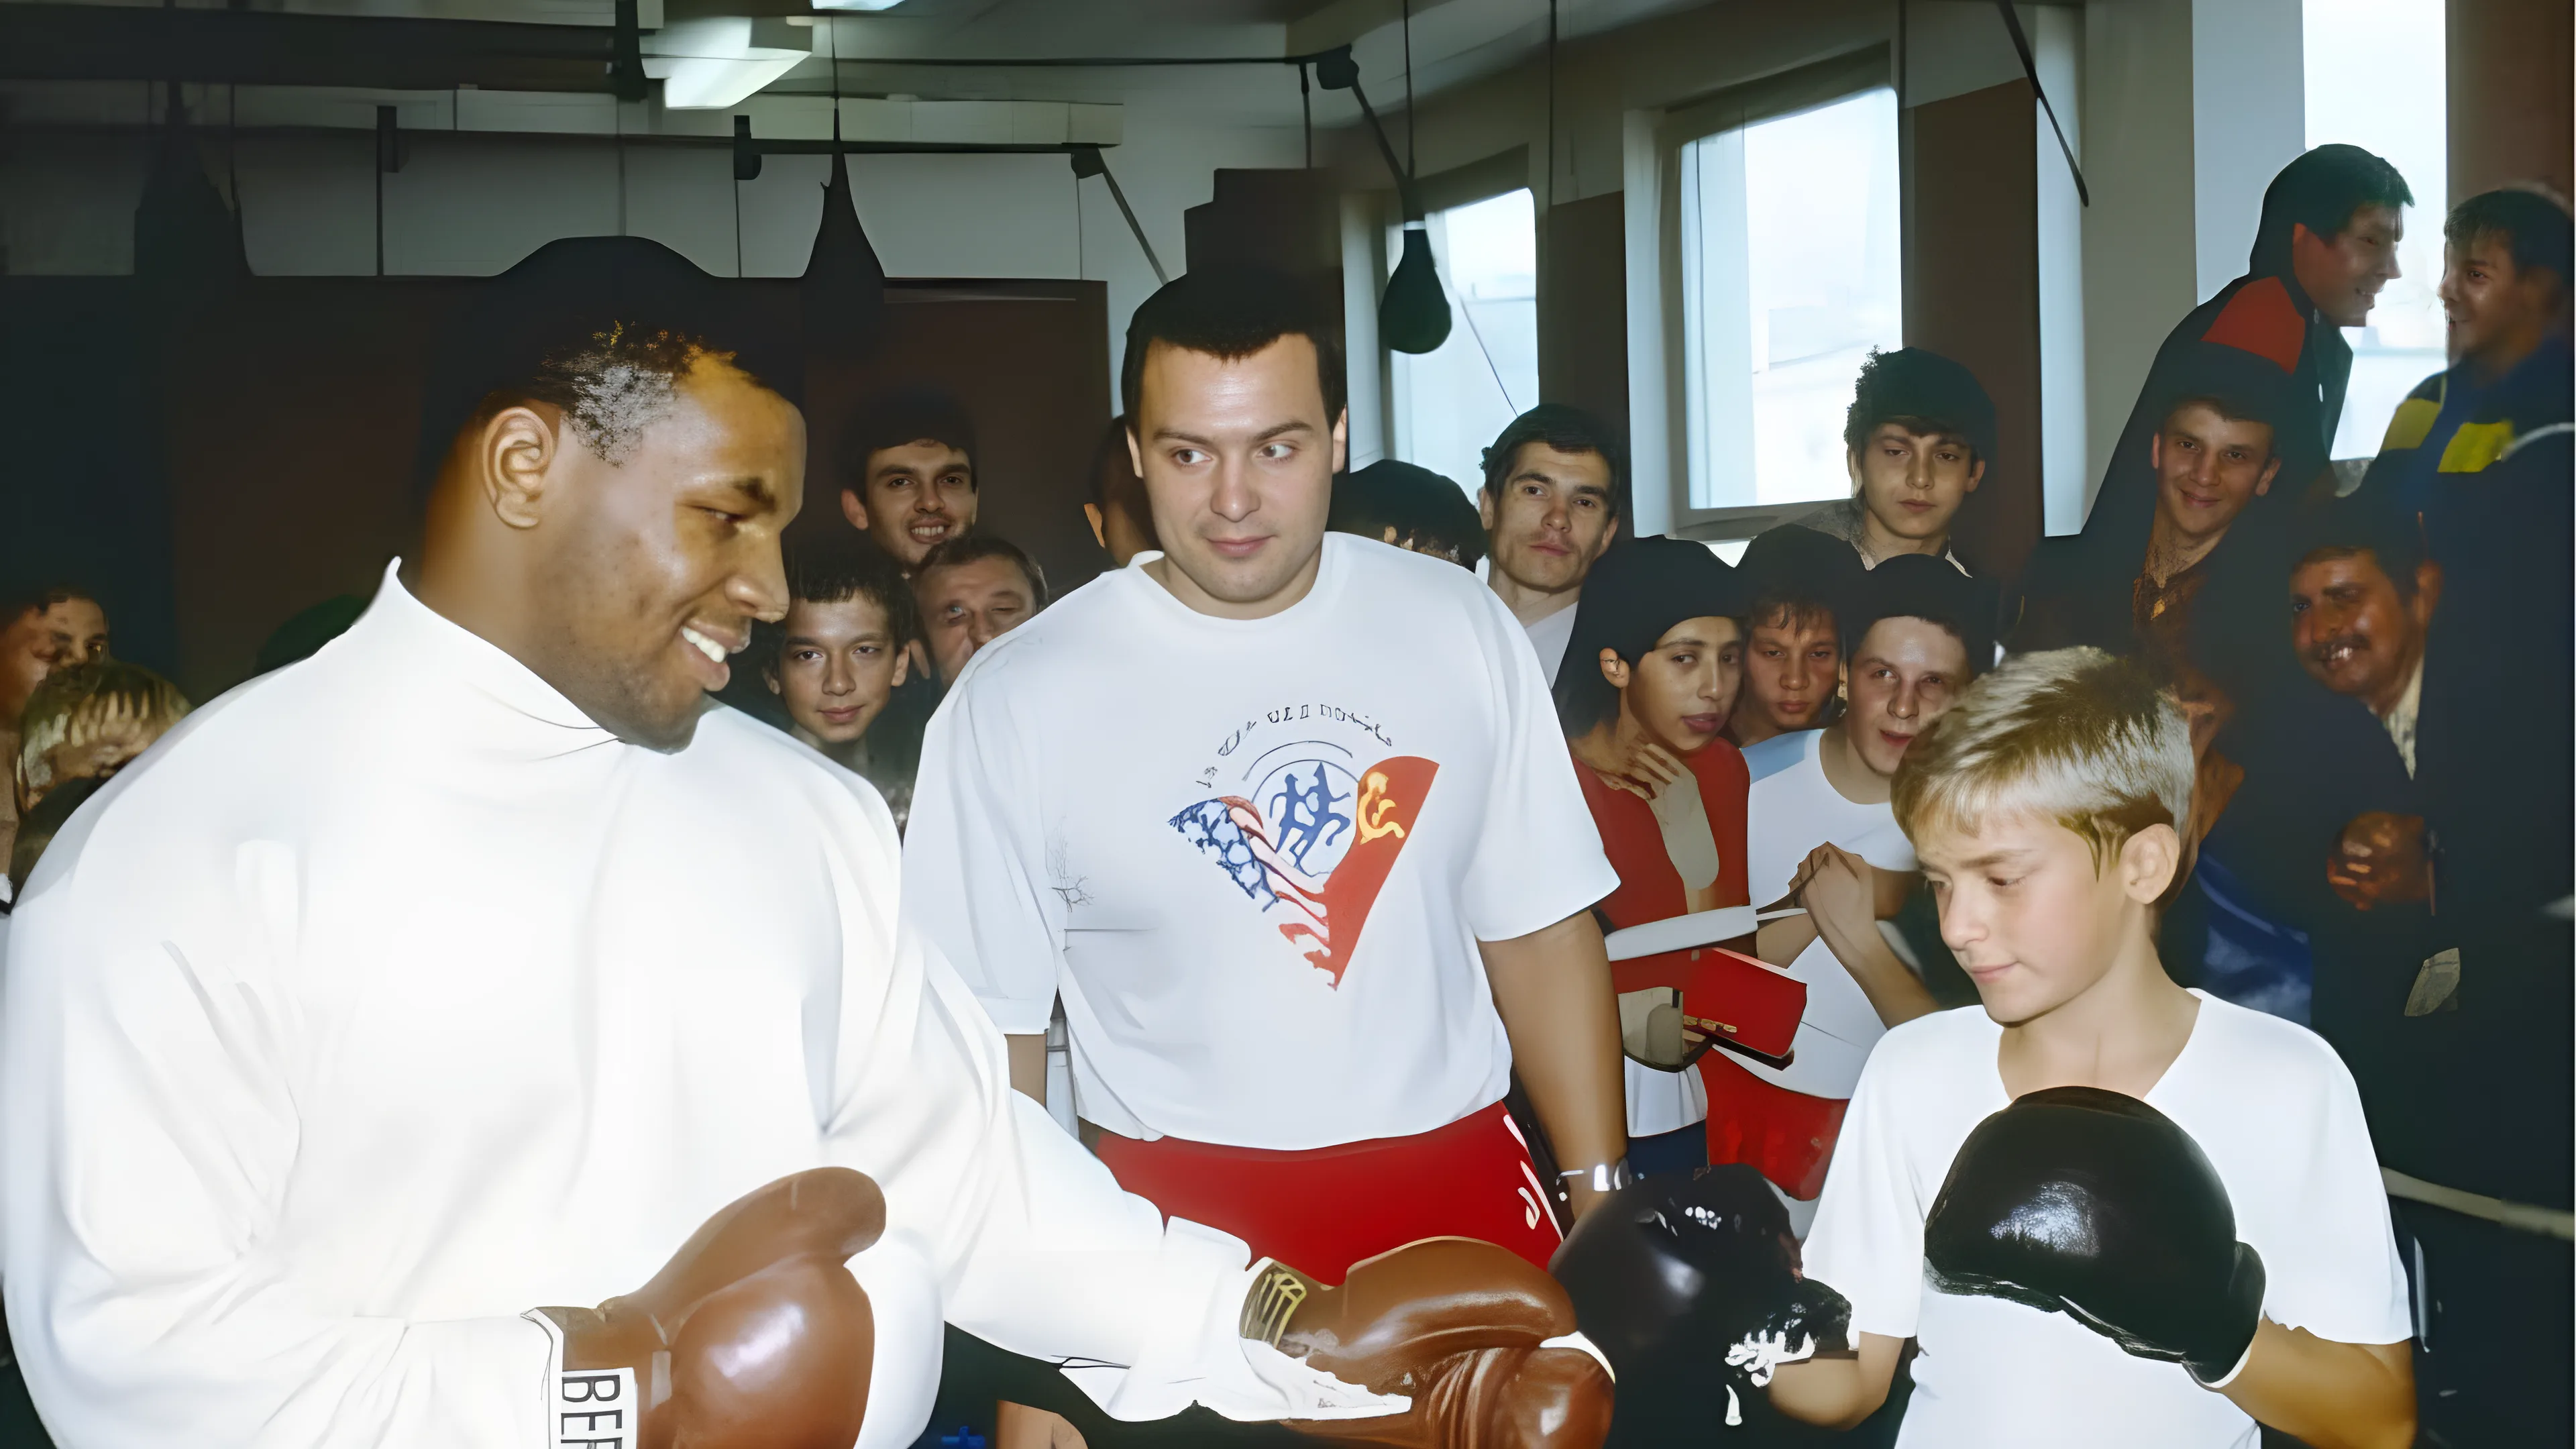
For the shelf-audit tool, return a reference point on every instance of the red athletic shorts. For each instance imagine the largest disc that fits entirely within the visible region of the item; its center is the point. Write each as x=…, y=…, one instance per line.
x=1325, y=1208
x=1787, y=1136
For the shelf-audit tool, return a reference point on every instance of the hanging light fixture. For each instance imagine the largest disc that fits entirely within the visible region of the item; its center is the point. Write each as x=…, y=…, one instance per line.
x=843, y=291
x=1413, y=313
x=187, y=239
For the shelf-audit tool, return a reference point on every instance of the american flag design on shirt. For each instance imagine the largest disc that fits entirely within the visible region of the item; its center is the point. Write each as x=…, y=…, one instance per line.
x=1314, y=845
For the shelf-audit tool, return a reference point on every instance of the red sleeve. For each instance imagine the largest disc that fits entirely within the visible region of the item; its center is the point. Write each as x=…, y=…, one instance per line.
x=2261, y=319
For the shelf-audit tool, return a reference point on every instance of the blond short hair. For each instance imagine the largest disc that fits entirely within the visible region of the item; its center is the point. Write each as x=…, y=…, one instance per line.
x=2072, y=735
x=75, y=707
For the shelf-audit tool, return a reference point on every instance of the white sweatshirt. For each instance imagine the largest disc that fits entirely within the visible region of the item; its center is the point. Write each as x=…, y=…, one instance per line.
x=390, y=997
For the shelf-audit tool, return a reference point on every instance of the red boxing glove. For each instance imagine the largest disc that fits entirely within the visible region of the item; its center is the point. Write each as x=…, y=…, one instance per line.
x=753, y=1336
x=1461, y=1327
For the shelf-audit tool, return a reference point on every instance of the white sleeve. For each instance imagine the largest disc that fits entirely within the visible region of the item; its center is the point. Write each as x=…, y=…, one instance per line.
x=2330, y=1261
x=1034, y=1246
x=974, y=856
x=1538, y=859
x=1867, y=1239
x=146, y=1068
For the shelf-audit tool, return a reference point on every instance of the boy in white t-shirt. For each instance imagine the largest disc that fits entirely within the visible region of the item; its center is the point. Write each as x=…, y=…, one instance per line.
x=2042, y=809
x=1819, y=831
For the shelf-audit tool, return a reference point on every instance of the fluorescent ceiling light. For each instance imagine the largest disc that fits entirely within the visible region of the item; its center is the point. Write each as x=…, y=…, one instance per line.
x=856, y=4
x=720, y=62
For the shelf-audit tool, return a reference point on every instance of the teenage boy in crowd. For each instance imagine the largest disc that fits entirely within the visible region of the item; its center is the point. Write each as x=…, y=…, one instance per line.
x=42, y=628
x=2324, y=246
x=1555, y=494
x=1658, y=650
x=2505, y=280
x=972, y=591
x=838, y=657
x=1121, y=521
x=1413, y=508
x=1793, y=646
x=1821, y=834
x=1917, y=440
x=1285, y=818
x=2043, y=808
x=908, y=476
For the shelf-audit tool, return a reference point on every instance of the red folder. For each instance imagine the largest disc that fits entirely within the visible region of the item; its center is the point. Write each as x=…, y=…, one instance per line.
x=1732, y=999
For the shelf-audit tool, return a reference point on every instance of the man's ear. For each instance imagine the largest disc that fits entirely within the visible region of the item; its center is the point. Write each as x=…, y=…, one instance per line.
x=2156, y=449
x=902, y=666
x=1614, y=669
x=1342, y=441
x=2148, y=863
x=854, y=509
x=2428, y=591
x=515, y=454
x=1099, y=534
x=2271, y=470
x=1976, y=475
x=1851, y=465
x=1485, y=508
x=769, y=676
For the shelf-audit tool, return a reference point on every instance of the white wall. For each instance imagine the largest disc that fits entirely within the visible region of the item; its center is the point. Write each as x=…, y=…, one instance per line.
x=2248, y=119
x=2141, y=255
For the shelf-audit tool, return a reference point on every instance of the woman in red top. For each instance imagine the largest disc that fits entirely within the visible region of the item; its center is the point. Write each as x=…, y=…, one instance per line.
x=1649, y=680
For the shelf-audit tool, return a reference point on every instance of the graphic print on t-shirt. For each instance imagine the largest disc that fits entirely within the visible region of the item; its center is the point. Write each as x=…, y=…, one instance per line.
x=1312, y=835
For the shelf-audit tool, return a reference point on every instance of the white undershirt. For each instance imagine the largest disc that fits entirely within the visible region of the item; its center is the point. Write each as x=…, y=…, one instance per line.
x=1548, y=639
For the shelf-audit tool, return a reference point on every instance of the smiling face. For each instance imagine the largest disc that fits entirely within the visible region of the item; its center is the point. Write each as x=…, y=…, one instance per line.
x=1681, y=692
x=1913, y=483
x=913, y=499
x=1789, y=666
x=967, y=606
x=1903, y=674
x=1238, y=457
x=2354, y=635
x=2496, y=312
x=40, y=641
x=1552, y=520
x=653, y=568
x=2208, y=468
x=2033, y=919
x=2342, y=275
x=837, y=667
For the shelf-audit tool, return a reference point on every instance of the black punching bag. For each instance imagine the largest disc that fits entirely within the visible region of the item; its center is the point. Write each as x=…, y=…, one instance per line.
x=1414, y=314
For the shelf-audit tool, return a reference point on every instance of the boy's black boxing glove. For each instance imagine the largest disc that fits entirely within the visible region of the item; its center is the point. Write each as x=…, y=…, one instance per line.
x=753, y=1336
x=2095, y=1204
x=1689, y=1283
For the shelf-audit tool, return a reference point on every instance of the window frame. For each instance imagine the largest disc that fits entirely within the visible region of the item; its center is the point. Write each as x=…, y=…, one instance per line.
x=1809, y=87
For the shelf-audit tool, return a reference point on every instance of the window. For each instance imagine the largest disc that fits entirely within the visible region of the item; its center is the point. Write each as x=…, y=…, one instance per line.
x=2375, y=79
x=1451, y=402
x=1791, y=272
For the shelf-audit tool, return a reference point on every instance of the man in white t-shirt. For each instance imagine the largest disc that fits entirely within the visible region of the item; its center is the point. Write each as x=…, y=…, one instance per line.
x=1819, y=829
x=1285, y=819
x=2042, y=806
x=1556, y=488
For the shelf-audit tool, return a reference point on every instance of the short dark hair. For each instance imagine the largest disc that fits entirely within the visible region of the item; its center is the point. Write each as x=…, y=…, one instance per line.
x=1567, y=429
x=2359, y=524
x=1919, y=586
x=834, y=564
x=976, y=547
x=19, y=598
x=2322, y=190
x=1794, y=575
x=1639, y=591
x=1425, y=509
x=2536, y=225
x=601, y=328
x=1924, y=393
x=899, y=418
x=1231, y=312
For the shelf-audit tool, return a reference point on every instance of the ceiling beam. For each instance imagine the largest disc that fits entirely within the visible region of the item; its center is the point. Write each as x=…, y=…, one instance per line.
x=252, y=47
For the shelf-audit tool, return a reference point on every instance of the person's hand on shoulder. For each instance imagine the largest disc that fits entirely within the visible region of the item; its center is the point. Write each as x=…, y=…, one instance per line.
x=2379, y=860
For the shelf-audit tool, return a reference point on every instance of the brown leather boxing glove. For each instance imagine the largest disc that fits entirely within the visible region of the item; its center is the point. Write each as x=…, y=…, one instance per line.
x=1463, y=1328
x=753, y=1336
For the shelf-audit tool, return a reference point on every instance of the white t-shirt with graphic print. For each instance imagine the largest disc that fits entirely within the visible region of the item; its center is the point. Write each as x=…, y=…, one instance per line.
x=1255, y=856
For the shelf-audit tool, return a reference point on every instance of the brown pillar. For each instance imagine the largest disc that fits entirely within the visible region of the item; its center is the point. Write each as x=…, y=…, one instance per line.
x=1583, y=308
x=2509, y=63
x=1972, y=294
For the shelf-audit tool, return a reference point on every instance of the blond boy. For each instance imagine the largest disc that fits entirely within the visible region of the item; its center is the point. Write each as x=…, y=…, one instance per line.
x=2042, y=807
